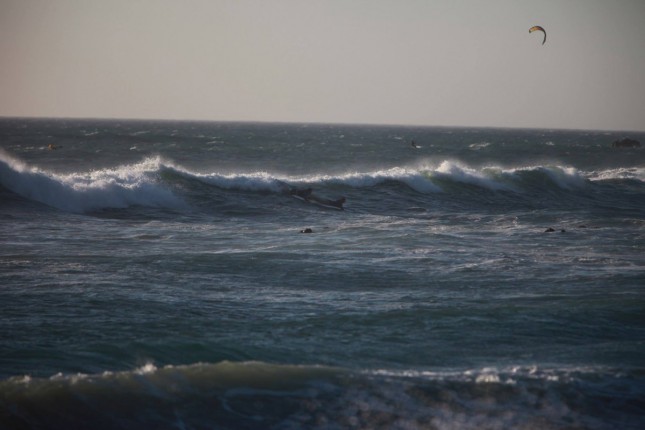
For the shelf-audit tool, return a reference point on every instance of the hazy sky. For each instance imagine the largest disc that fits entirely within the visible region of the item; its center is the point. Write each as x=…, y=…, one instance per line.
x=426, y=62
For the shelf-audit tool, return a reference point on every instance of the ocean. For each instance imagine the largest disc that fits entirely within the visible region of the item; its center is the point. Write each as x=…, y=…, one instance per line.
x=158, y=274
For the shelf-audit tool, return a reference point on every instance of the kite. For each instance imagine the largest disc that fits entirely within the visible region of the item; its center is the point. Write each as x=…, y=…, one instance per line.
x=538, y=28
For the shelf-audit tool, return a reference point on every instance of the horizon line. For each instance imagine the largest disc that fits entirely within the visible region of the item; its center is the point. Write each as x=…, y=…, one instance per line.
x=247, y=121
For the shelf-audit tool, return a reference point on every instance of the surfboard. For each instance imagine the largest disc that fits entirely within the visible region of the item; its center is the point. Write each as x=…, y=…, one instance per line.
x=324, y=205
x=317, y=202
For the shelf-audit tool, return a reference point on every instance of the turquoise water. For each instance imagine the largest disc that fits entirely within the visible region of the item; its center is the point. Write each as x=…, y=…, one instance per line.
x=154, y=274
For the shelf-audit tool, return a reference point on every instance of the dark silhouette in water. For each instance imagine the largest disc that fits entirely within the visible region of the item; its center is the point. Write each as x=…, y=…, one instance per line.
x=308, y=196
x=626, y=143
x=303, y=194
x=551, y=230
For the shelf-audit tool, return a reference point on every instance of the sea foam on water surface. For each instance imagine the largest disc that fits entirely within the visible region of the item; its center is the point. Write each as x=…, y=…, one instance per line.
x=121, y=187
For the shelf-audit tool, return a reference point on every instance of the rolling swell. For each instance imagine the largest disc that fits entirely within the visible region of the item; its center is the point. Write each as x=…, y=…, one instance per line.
x=256, y=395
x=157, y=183
x=122, y=187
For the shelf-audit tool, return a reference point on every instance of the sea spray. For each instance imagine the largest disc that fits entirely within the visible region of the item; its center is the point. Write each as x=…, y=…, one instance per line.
x=129, y=185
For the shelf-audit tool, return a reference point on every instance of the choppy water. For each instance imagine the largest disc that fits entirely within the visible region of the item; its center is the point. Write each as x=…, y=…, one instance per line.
x=153, y=275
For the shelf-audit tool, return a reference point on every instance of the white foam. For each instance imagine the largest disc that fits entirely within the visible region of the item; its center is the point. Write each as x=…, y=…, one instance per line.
x=433, y=178
x=122, y=187
x=565, y=177
x=257, y=181
x=146, y=369
x=413, y=177
x=637, y=173
x=459, y=173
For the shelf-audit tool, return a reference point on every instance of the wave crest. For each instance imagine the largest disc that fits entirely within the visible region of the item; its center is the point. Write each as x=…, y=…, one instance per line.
x=154, y=182
x=263, y=395
x=129, y=185
x=449, y=175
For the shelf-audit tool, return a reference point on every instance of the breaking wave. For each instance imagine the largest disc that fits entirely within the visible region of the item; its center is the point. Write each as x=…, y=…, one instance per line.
x=125, y=186
x=155, y=182
x=254, y=395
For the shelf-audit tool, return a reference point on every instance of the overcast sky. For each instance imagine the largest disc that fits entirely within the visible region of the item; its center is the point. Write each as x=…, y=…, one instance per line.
x=425, y=62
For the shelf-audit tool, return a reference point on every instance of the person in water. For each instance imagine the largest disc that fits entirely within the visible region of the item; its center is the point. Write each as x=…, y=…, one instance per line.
x=308, y=196
x=303, y=194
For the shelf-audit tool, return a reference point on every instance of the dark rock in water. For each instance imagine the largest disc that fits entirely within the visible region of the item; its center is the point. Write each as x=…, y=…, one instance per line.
x=549, y=230
x=626, y=143
x=307, y=230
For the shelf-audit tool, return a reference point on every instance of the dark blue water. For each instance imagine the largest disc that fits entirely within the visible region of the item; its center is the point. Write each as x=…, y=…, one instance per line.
x=154, y=275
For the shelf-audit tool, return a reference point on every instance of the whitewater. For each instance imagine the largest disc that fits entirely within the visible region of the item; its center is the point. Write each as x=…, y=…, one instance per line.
x=155, y=274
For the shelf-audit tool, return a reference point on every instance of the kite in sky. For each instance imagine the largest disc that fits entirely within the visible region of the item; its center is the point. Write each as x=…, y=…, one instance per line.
x=538, y=28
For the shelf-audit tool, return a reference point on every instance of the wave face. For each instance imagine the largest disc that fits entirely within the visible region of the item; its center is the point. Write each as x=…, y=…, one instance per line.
x=255, y=395
x=158, y=183
x=103, y=165
x=124, y=186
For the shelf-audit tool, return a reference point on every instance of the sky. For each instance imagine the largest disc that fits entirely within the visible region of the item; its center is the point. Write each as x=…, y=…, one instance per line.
x=409, y=62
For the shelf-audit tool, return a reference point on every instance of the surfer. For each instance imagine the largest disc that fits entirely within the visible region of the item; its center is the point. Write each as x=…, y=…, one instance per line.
x=414, y=145
x=303, y=194
x=308, y=196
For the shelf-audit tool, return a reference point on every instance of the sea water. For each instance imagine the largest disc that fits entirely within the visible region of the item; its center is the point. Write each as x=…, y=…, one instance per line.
x=154, y=275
